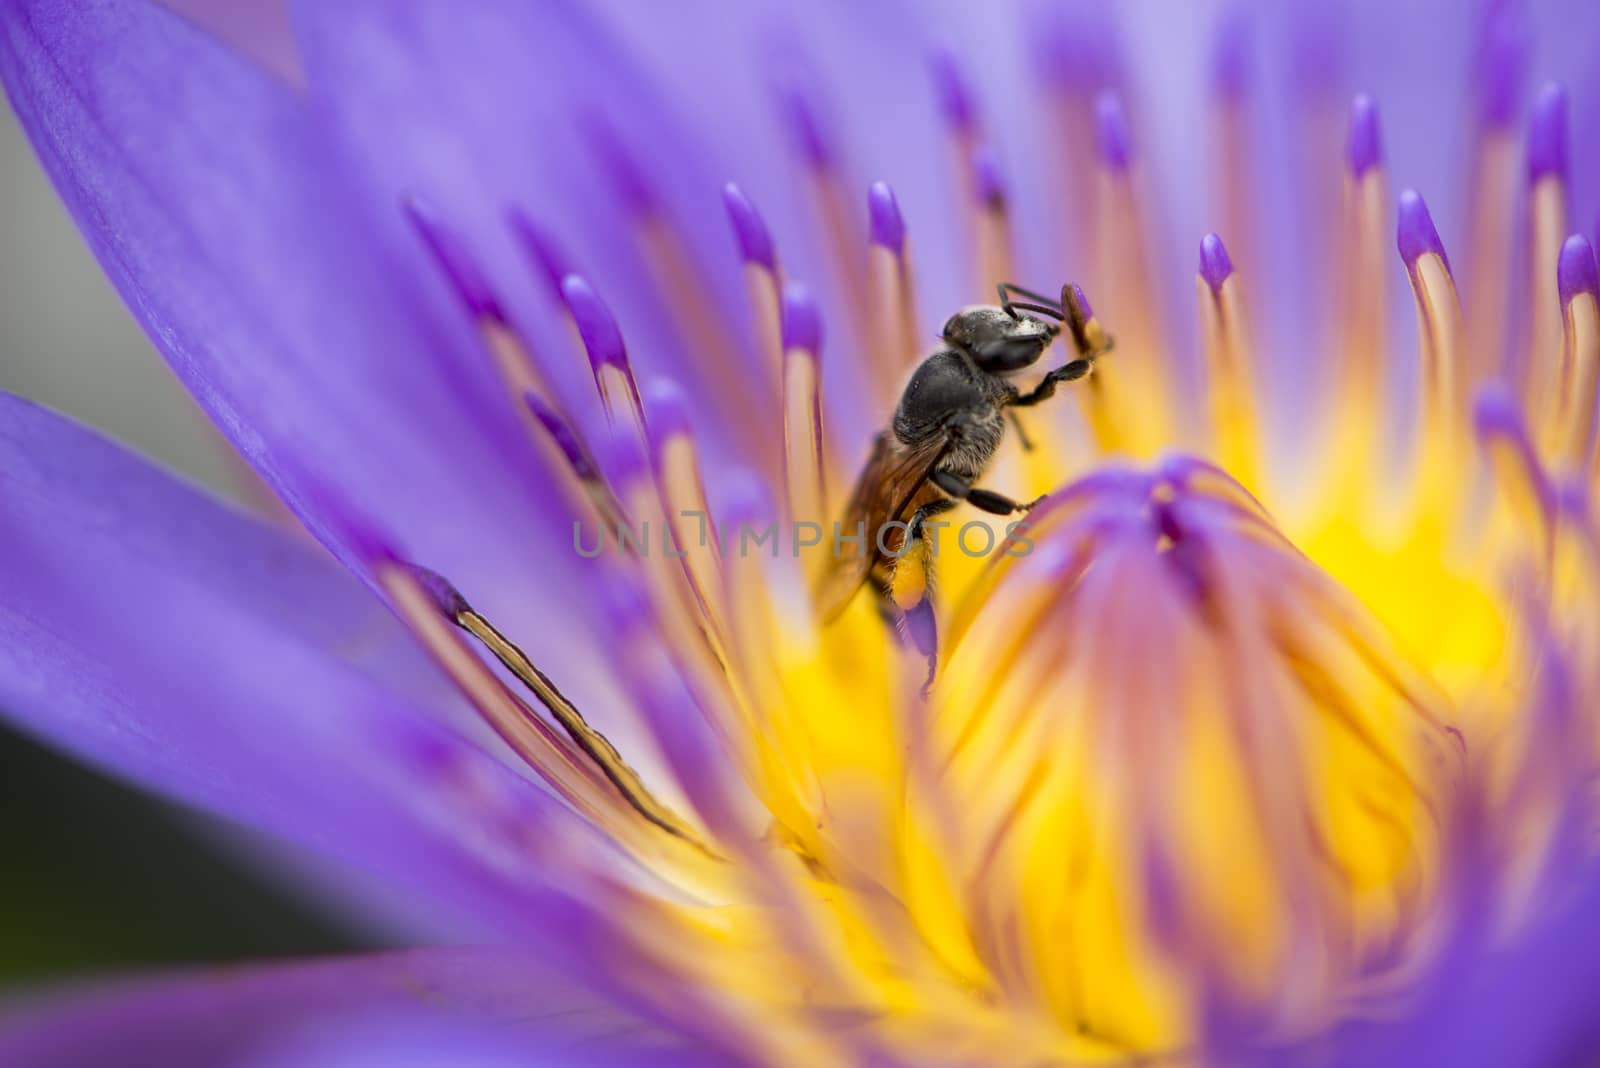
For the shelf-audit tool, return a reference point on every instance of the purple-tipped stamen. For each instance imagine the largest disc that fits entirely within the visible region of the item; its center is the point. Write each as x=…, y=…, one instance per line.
x=1111, y=131
x=446, y=598
x=1319, y=50
x=802, y=322
x=749, y=229
x=888, y=225
x=562, y=434
x=1077, y=44
x=747, y=502
x=955, y=97
x=806, y=128
x=630, y=181
x=623, y=458
x=1495, y=412
x=1547, y=134
x=1082, y=300
x=466, y=278
x=596, y=325
x=339, y=523
x=1216, y=266
x=1416, y=236
x=666, y=408
x=1502, y=63
x=1575, y=271
x=542, y=250
x=1366, y=136
x=987, y=178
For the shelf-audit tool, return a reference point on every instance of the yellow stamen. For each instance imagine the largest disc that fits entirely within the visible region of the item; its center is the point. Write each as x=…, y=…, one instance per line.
x=763, y=287
x=1437, y=481
x=620, y=396
x=552, y=756
x=1129, y=396
x=1548, y=215
x=689, y=517
x=592, y=742
x=1580, y=380
x=1358, y=363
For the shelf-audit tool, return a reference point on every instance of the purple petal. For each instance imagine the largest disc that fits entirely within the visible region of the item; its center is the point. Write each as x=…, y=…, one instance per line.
x=321, y=346
x=468, y=1005
x=170, y=641
x=259, y=30
x=533, y=107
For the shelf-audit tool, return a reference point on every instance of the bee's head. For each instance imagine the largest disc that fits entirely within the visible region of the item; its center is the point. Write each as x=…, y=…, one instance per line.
x=999, y=342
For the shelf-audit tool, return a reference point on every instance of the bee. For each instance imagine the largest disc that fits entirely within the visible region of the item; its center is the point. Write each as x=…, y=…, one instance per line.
x=947, y=426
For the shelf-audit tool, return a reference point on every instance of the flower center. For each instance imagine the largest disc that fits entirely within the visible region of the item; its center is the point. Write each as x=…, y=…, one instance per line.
x=1181, y=770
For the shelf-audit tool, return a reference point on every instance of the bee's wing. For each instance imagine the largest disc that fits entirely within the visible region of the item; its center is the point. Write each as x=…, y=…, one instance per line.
x=887, y=485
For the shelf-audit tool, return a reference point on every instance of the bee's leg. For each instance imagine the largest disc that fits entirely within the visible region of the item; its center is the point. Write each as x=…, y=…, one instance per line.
x=1069, y=372
x=883, y=592
x=904, y=586
x=982, y=499
x=1022, y=433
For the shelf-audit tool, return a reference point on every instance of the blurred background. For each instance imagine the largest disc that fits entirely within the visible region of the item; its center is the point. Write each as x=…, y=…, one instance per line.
x=93, y=876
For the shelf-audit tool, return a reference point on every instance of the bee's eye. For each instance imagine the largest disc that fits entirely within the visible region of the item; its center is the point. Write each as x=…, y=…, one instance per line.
x=1009, y=353
x=949, y=327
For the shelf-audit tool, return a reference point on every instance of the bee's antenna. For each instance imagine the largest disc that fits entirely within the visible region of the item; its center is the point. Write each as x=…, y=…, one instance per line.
x=1038, y=302
x=1054, y=313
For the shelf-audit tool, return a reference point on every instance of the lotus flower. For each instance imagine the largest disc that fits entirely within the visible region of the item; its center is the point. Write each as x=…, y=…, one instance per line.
x=1267, y=734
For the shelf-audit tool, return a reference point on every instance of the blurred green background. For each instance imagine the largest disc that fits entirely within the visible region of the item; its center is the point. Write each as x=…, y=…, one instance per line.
x=93, y=876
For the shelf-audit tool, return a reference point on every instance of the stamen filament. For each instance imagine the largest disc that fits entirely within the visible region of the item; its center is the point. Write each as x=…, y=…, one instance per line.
x=576, y=462
x=831, y=199
x=805, y=483
x=996, y=247
x=1363, y=302
x=552, y=755
x=688, y=512
x=1580, y=362
x=1128, y=401
x=1436, y=476
x=1547, y=207
x=608, y=358
x=559, y=446
x=763, y=281
x=1230, y=391
x=1234, y=186
x=592, y=742
x=894, y=313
